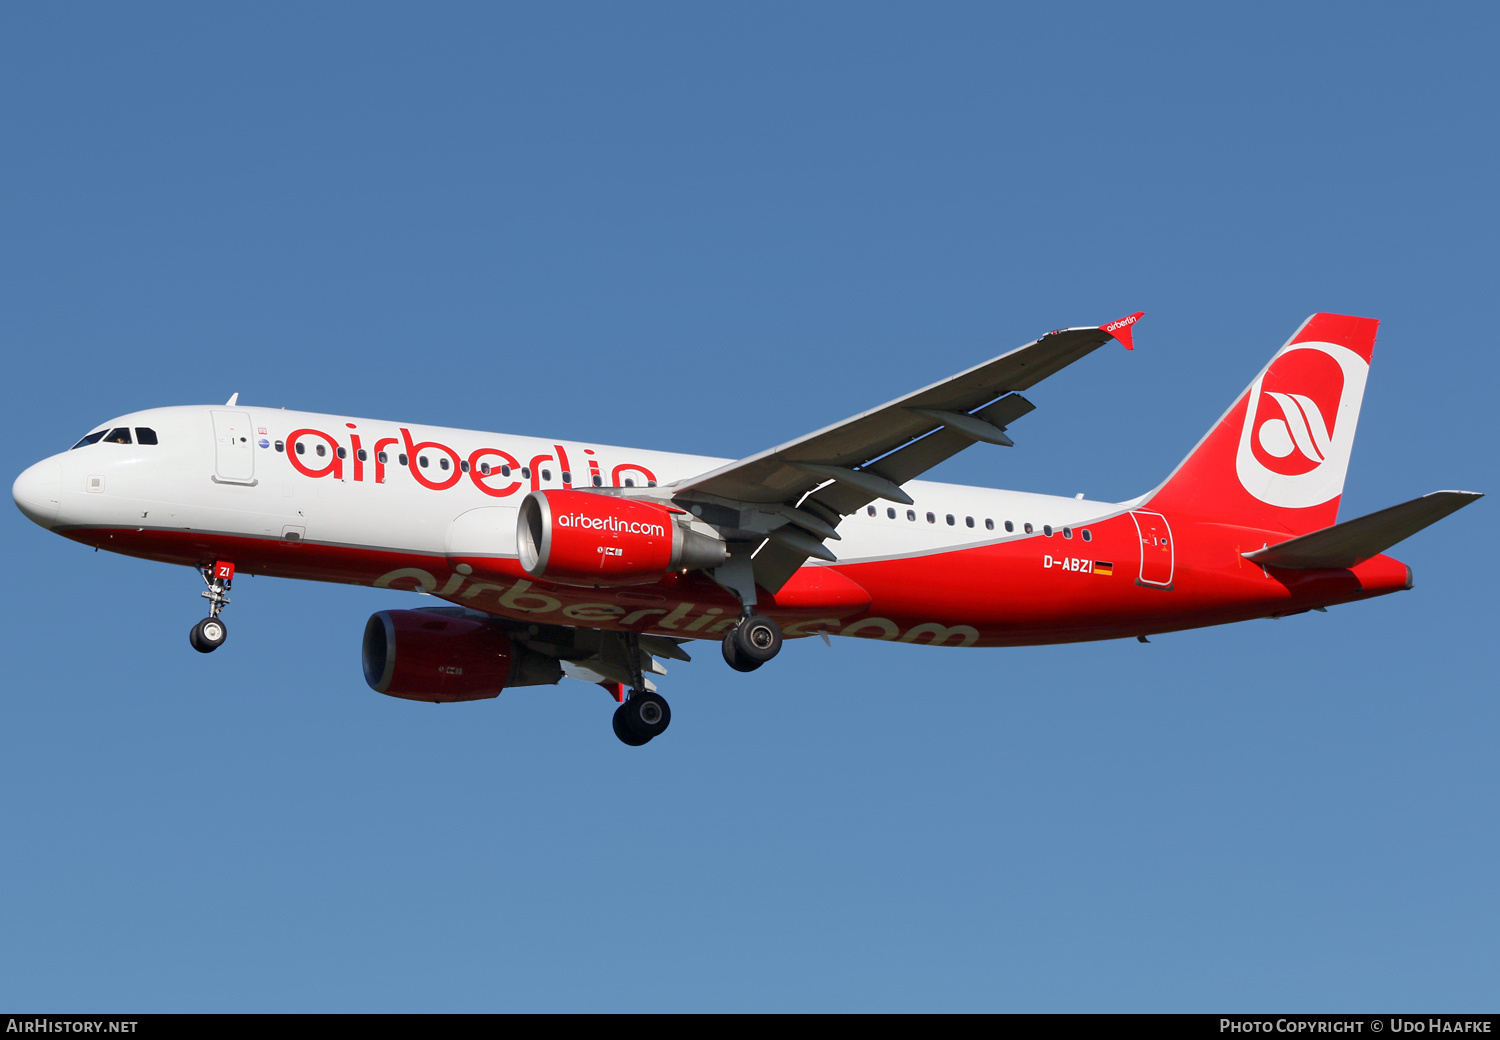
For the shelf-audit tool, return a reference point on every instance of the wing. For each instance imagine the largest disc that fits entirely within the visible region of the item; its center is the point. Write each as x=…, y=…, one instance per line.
x=790, y=498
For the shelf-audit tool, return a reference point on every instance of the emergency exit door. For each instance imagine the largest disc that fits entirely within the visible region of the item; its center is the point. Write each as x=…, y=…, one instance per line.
x=234, y=448
x=1157, y=551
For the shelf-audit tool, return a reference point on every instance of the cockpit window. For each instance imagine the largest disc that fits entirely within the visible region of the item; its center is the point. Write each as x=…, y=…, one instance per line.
x=92, y=438
x=118, y=436
x=145, y=435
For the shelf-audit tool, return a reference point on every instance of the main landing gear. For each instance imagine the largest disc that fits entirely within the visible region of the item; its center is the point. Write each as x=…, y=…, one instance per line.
x=209, y=634
x=755, y=639
x=751, y=643
x=644, y=715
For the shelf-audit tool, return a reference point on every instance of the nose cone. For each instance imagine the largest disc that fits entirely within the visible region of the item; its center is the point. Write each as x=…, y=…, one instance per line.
x=38, y=491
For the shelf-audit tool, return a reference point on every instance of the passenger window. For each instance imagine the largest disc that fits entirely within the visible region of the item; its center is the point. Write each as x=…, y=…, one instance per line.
x=92, y=438
x=598, y=480
x=1028, y=528
x=464, y=465
x=890, y=512
x=504, y=470
x=989, y=525
x=968, y=521
x=321, y=450
x=280, y=446
x=422, y=461
x=651, y=483
x=950, y=520
x=443, y=462
x=931, y=518
x=567, y=477
x=145, y=435
x=341, y=453
x=1067, y=532
x=484, y=469
x=911, y=514
x=119, y=436
x=526, y=472
x=630, y=482
x=870, y=510
x=362, y=455
x=1047, y=530
x=382, y=458
x=1086, y=536
x=301, y=448
x=546, y=474
x=402, y=459
x=1010, y=528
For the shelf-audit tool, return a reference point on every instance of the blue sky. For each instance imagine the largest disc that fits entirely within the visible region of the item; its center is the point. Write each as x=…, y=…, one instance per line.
x=708, y=229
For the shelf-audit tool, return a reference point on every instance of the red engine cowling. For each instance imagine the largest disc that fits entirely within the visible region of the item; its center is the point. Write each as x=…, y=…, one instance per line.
x=594, y=540
x=438, y=655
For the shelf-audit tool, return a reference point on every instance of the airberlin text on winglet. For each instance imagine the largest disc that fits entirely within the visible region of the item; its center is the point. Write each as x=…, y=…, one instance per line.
x=1120, y=328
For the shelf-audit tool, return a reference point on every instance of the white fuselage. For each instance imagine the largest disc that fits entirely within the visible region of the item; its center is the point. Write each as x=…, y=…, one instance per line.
x=192, y=480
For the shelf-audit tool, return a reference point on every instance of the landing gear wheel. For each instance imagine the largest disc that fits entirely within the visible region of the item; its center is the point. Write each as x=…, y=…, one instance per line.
x=733, y=658
x=645, y=715
x=623, y=731
x=752, y=643
x=208, y=635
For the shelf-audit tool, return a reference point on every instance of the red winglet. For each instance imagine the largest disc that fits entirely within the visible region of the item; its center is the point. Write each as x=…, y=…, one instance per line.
x=1120, y=329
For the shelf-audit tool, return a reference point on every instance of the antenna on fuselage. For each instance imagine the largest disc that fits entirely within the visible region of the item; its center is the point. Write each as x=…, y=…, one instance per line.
x=233, y=399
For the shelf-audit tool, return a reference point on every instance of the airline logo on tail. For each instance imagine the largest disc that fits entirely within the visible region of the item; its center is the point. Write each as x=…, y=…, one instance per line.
x=1299, y=425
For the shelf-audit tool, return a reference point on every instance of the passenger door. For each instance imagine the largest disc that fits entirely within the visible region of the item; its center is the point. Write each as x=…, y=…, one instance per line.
x=234, y=448
x=1157, y=551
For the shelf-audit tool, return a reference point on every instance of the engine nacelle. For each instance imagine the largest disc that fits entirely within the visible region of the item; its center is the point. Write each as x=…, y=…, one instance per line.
x=593, y=540
x=434, y=655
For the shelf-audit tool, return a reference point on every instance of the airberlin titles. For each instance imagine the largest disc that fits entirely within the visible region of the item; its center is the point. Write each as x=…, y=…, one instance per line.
x=610, y=523
x=491, y=470
x=523, y=597
x=1120, y=329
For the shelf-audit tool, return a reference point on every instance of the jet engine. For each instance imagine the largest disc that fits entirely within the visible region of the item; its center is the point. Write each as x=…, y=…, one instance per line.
x=593, y=540
x=447, y=655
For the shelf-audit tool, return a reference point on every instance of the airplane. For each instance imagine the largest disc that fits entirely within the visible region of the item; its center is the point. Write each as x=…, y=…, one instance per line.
x=594, y=562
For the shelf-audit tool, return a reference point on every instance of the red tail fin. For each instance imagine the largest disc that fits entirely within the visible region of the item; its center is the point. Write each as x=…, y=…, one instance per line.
x=1277, y=458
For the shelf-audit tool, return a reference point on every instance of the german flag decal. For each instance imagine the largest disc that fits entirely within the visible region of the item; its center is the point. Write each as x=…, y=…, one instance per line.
x=1106, y=569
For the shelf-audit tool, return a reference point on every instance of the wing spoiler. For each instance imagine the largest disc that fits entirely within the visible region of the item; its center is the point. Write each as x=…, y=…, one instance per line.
x=1355, y=541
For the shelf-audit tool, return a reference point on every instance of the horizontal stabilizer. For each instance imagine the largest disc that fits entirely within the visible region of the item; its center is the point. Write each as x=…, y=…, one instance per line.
x=1355, y=541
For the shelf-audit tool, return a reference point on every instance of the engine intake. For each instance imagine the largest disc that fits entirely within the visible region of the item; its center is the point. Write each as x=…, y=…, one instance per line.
x=584, y=538
x=435, y=655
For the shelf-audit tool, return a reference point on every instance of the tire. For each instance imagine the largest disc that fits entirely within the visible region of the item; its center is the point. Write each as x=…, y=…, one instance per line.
x=757, y=638
x=732, y=655
x=623, y=731
x=208, y=635
x=646, y=715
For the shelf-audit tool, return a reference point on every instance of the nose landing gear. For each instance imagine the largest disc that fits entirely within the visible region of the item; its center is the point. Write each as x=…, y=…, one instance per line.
x=209, y=634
